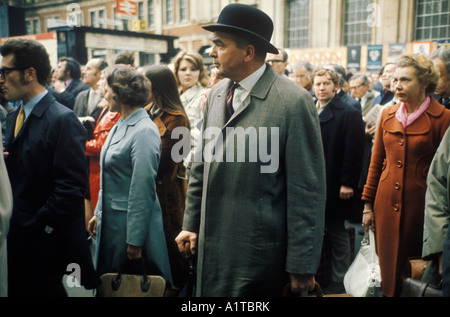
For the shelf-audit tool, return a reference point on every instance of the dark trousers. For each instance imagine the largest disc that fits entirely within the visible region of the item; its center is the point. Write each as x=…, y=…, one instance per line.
x=32, y=264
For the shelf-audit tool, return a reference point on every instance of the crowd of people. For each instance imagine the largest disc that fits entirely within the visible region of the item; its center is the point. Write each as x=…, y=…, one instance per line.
x=90, y=159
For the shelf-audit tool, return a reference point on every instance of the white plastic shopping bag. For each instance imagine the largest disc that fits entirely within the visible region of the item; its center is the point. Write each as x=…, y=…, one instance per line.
x=363, y=278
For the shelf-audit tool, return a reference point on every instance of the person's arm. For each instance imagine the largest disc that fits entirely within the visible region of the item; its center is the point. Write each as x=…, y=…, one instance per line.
x=191, y=220
x=145, y=156
x=437, y=213
x=69, y=174
x=353, y=152
x=6, y=201
x=375, y=168
x=306, y=192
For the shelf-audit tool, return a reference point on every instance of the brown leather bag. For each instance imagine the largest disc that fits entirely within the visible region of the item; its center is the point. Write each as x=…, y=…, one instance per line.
x=415, y=268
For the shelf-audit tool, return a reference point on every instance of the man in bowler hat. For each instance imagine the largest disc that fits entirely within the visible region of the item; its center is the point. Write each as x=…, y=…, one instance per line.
x=254, y=229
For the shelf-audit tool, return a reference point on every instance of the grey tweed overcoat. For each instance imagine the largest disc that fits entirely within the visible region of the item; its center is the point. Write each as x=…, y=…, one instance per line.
x=257, y=198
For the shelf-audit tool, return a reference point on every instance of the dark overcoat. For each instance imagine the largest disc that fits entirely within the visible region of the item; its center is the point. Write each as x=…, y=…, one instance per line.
x=47, y=169
x=343, y=140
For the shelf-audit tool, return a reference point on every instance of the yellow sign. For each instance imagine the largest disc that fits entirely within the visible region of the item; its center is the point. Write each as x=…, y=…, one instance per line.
x=138, y=25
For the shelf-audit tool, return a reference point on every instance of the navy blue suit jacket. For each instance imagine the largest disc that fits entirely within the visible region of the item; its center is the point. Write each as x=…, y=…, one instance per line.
x=48, y=173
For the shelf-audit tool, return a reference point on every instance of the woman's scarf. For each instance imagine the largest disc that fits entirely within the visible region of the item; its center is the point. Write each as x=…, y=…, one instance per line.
x=405, y=119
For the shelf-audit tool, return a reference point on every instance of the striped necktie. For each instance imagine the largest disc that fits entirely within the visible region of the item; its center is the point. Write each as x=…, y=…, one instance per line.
x=230, y=99
x=19, y=121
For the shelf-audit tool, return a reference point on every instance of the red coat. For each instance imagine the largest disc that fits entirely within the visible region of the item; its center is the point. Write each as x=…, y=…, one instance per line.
x=93, y=148
x=396, y=184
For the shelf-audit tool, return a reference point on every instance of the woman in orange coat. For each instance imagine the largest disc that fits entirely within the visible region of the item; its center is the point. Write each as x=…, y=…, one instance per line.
x=406, y=140
x=167, y=112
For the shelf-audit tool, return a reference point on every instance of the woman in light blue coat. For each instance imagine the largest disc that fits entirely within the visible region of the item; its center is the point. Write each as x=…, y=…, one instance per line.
x=128, y=219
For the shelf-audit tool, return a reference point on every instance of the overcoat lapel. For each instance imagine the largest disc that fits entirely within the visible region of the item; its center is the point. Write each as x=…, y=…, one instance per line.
x=327, y=114
x=119, y=133
x=259, y=91
x=38, y=111
x=221, y=116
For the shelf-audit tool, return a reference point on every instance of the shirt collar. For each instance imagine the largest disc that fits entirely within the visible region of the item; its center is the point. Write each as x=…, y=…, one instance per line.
x=250, y=81
x=68, y=82
x=321, y=108
x=29, y=106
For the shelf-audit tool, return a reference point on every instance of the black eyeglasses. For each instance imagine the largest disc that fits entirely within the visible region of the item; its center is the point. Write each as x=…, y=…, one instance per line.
x=6, y=70
x=274, y=61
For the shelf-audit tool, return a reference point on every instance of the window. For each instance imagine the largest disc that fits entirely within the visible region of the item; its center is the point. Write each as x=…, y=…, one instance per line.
x=432, y=20
x=141, y=10
x=183, y=10
x=150, y=13
x=356, y=28
x=96, y=17
x=169, y=11
x=119, y=24
x=54, y=21
x=297, y=24
x=33, y=26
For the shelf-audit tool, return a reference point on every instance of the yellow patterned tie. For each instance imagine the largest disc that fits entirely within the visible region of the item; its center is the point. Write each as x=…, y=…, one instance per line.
x=19, y=121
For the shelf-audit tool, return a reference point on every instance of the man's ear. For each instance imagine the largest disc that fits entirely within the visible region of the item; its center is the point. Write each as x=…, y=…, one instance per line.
x=250, y=52
x=30, y=74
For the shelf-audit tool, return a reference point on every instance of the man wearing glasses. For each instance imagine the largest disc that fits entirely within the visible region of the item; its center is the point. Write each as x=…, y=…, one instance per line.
x=278, y=61
x=45, y=158
x=359, y=87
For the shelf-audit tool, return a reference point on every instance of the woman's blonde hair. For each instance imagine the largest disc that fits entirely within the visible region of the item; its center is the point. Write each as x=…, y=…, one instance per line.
x=196, y=60
x=426, y=73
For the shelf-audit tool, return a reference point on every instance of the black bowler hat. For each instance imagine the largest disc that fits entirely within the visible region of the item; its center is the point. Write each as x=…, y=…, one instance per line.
x=244, y=20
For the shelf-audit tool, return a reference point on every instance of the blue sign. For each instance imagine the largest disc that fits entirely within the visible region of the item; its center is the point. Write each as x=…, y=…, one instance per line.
x=374, y=57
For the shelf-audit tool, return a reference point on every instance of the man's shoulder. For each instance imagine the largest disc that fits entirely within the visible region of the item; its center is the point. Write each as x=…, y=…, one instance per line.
x=343, y=105
x=77, y=86
x=56, y=108
x=82, y=94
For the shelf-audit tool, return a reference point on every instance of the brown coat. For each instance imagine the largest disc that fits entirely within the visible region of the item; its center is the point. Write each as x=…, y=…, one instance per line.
x=396, y=184
x=171, y=188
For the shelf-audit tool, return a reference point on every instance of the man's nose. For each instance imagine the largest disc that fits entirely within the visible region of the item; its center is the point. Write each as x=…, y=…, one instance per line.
x=213, y=52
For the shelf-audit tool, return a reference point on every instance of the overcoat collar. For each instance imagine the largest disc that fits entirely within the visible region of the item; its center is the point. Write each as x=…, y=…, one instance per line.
x=328, y=113
x=187, y=96
x=38, y=111
x=259, y=91
x=421, y=126
x=134, y=118
x=158, y=120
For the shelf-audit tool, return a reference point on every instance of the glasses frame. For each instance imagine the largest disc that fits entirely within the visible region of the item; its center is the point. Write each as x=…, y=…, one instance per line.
x=275, y=61
x=356, y=87
x=6, y=70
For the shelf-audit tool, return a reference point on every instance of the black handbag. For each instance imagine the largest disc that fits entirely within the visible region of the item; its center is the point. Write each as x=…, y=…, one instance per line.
x=415, y=288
